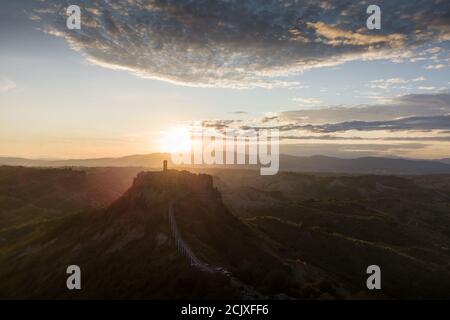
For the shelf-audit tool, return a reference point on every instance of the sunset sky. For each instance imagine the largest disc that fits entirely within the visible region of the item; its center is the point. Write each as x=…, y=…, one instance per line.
x=311, y=69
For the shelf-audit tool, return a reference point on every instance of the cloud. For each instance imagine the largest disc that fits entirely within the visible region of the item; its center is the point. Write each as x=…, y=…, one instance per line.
x=218, y=124
x=411, y=123
x=428, y=88
x=391, y=82
x=415, y=112
x=336, y=36
x=397, y=107
x=307, y=102
x=6, y=85
x=242, y=44
x=267, y=119
x=356, y=138
x=415, y=125
x=436, y=66
x=239, y=112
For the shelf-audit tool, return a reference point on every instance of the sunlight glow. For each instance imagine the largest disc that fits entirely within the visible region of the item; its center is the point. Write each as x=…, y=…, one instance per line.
x=176, y=139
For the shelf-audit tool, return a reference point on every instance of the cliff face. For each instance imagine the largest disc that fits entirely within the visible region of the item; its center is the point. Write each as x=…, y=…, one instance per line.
x=186, y=181
x=171, y=185
x=128, y=249
x=124, y=251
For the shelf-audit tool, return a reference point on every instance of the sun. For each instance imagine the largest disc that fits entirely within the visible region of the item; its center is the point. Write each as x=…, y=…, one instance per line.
x=176, y=140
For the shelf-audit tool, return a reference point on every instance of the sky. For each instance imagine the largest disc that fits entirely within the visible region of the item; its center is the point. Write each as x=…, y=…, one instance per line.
x=311, y=69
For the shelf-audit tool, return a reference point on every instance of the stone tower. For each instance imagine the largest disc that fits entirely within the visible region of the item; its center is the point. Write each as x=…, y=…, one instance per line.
x=165, y=165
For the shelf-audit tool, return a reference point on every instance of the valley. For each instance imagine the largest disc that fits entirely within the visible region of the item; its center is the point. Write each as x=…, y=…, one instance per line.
x=290, y=236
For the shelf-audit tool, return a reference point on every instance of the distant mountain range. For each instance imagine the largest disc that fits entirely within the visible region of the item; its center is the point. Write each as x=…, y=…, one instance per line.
x=375, y=165
x=372, y=165
x=148, y=160
x=447, y=160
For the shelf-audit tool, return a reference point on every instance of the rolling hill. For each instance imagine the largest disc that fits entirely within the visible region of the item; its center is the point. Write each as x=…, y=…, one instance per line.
x=294, y=235
x=127, y=250
x=372, y=165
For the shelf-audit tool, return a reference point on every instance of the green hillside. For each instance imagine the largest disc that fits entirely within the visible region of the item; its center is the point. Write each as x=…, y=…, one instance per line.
x=290, y=236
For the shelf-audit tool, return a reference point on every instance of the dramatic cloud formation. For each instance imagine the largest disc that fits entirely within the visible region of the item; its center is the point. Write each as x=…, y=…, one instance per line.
x=355, y=138
x=413, y=105
x=408, y=119
x=411, y=123
x=417, y=125
x=236, y=43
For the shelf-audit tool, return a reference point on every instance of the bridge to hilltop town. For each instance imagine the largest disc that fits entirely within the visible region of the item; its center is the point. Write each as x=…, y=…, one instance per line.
x=183, y=248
